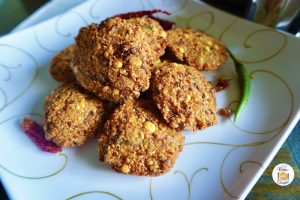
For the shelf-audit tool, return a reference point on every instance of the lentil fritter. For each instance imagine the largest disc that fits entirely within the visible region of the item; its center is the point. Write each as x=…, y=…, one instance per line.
x=184, y=97
x=137, y=141
x=195, y=48
x=60, y=68
x=114, y=59
x=122, y=87
x=72, y=115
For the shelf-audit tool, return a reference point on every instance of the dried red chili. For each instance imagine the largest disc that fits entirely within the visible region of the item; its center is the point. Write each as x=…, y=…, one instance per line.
x=37, y=135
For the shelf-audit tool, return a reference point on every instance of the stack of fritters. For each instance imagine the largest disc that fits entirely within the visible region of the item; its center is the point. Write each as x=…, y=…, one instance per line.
x=109, y=67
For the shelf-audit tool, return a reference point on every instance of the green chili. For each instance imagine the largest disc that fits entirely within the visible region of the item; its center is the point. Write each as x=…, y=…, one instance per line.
x=244, y=82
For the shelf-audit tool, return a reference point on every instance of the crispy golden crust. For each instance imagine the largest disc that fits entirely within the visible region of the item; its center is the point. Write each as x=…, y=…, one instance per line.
x=196, y=48
x=137, y=141
x=60, y=68
x=72, y=116
x=184, y=97
x=114, y=59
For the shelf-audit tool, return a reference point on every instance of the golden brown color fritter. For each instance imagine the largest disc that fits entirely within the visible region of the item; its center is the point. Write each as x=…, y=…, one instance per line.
x=196, y=48
x=72, y=116
x=114, y=59
x=60, y=68
x=137, y=141
x=184, y=97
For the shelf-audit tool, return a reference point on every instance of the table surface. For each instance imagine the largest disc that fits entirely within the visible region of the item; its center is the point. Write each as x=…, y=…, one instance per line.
x=12, y=12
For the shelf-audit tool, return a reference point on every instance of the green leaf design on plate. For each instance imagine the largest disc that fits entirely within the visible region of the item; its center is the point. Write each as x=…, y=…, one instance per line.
x=8, y=68
x=248, y=38
x=39, y=177
x=187, y=20
x=247, y=162
x=188, y=182
x=56, y=26
x=94, y=192
x=167, y=4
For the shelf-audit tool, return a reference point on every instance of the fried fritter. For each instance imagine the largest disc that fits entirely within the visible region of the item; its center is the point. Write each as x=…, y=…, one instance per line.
x=72, y=115
x=184, y=97
x=114, y=59
x=137, y=141
x=60, y=68
x=195, y=48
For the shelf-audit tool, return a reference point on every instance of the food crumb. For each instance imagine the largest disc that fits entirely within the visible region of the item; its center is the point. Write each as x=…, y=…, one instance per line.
x=227, y=112
x=222, y=83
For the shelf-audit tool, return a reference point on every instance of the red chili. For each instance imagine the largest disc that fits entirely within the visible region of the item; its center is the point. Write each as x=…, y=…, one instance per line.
x=167, y=25
x=37, y=135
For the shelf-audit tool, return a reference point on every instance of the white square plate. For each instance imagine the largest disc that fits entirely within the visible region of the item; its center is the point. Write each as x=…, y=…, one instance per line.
x=221, y=162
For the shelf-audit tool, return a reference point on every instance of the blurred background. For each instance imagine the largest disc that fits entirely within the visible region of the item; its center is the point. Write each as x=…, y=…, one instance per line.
x=12, y=12
x=281, y=14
